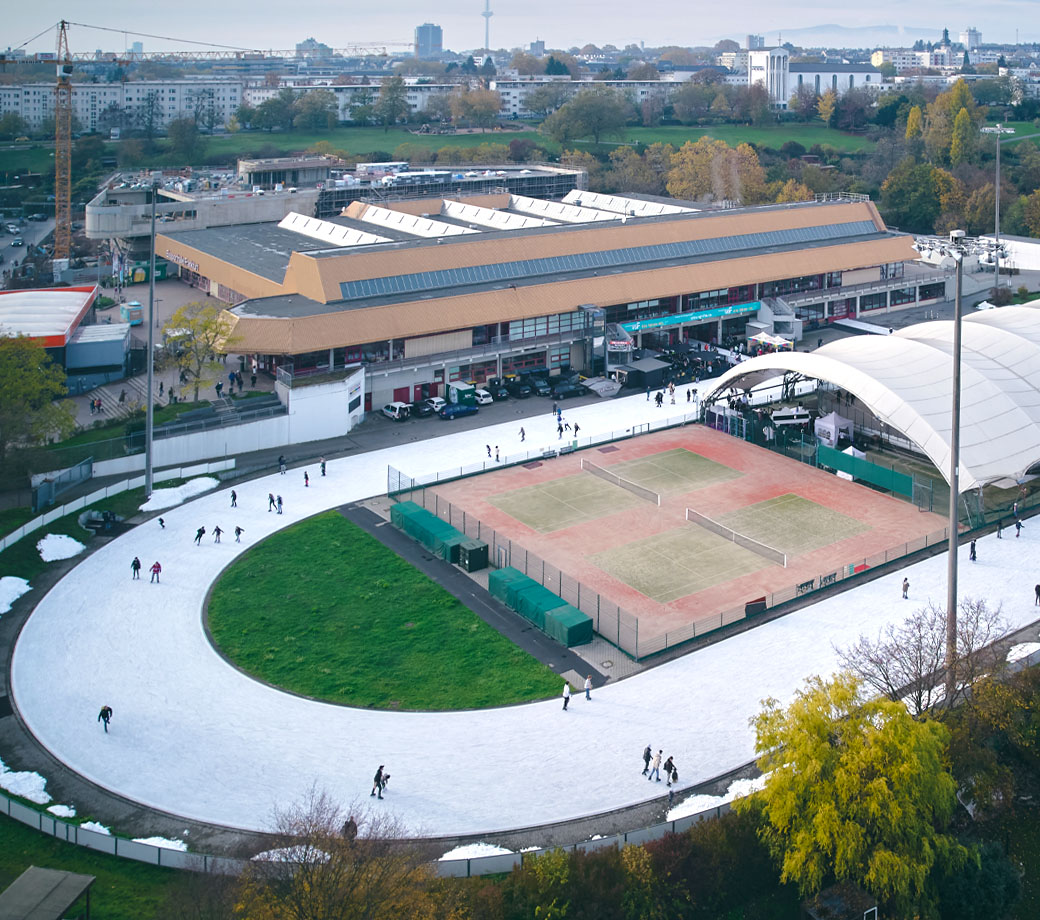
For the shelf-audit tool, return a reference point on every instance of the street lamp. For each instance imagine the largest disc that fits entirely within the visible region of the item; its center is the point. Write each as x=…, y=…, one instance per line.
x=149, y=405
x=957, y=250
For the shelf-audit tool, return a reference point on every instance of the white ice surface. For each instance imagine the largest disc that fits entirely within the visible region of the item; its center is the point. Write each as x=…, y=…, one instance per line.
x=695, y=804
x=163, y=842
x=96, y=828
x=1022, y=651
x=29, y=786
x=11, y=588
x=292, y=854
x=56, y=546
x=168, y=498
x=475, y=851
x=194, y=737
x=62, y=811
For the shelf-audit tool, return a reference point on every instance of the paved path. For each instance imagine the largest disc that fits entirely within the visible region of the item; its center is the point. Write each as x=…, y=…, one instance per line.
x=194, y=737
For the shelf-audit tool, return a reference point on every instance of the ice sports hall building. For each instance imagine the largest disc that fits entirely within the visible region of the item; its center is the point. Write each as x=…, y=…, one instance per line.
x=429, y=291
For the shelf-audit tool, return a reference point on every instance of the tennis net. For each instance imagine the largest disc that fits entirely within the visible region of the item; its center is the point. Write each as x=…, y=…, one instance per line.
x=649, y=494
x=767, y=552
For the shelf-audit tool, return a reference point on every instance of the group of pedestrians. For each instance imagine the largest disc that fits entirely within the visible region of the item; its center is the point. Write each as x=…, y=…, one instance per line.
x=652, y=766
x=135, y=570
x=587, y=687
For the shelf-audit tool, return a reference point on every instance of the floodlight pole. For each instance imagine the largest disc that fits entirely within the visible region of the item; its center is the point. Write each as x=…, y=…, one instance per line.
x=955, y=447
x=149, y=410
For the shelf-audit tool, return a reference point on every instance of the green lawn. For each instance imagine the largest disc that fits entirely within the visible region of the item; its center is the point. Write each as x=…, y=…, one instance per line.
x=325, y=610
x=116, y=428
x=124, y=890
x=767, y=136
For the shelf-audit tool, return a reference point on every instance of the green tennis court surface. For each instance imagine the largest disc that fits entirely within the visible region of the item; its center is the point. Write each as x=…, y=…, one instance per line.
x=679, y=562
x=564, y=502
x=792, y=524
x=677, y=470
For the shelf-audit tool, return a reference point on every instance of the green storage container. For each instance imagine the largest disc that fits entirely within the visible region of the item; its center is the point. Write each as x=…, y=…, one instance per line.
x=499, y=581
x=473, y=555
x=402, y=510
x=568, y=625
x=452, y=545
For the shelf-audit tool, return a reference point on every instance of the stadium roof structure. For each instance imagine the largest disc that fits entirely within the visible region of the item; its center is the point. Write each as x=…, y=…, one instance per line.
x=905, y=380
x=49, y=315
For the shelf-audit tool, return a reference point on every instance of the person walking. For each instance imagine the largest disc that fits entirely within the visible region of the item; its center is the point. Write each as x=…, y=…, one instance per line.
x=199, y=535
x=281, y=464
x=655, y=767
x=160, y=389
x=270, y=501
x=279, y=503
x=218, y=386
x=523, y=435
x=668, y=766
x=105, y=716
x=321, y=460
x=350, y=831
x=377, y=783
x=971, y=551
x=135, y=568
x=234, y=499
x=566, y=695
x=216, y=533
x=238, y=534
x=556, y=409
x=252, y=380
x=155, y=570
x=647, y=757
x=306, y=480
x=1018, y=528
x=588, y=687
x=906, y=588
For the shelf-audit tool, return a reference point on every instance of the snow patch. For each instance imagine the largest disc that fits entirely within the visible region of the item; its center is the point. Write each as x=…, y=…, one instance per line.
x=1018, y=652
x=292, y=854
x=11, y=588
x=96, y=828
x=29, y=786
x=475, y=851
x=57, y=546
x=163, y=842
x=695, y=804
x=62, y=811
x=168, y=498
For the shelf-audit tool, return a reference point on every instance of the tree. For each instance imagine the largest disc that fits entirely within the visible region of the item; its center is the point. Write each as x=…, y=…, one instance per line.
x=12, y=125
x=362, y=106
x=149, y=117
x=594, y=113
x=31, y=391
x=547, y=98
x=692, y=102
x=855, y=791
x=1031, y=213
x=914, y=123
x=910, y=198
x=644, y=72
x=794, y=191
x=186, y=141
x=632, y=173
x=826, y=104
x=392, y=104
x=478, y=106
x=130, y=153
x=527, y=64
x=803, y=103
x=316, y=110
x=964, y=143
x=711, y=169
x=198, y=333
x=276, y=112
x=905, y=663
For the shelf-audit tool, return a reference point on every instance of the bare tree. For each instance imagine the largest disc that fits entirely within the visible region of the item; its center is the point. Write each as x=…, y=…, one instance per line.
x=318, y=871
x=906, y=661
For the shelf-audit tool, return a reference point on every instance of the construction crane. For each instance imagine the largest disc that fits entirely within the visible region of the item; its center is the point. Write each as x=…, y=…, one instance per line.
x=65, y=63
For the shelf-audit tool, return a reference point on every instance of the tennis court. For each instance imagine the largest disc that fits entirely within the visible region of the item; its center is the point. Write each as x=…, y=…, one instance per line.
x=562, y=503
x=678, y=470
x=792, y=524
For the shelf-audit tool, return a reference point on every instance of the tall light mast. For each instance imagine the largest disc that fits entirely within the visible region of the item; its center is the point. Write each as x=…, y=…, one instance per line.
x=63, y=147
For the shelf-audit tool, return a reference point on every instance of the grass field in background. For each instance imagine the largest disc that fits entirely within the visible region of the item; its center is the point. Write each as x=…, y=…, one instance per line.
x=325, y=610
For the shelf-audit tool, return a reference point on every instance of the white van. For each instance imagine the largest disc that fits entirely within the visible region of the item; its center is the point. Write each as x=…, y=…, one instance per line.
x=483, y=398
x=398, y=411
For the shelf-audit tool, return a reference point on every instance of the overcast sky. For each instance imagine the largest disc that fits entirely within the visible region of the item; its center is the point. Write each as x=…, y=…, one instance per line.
x=560, y=23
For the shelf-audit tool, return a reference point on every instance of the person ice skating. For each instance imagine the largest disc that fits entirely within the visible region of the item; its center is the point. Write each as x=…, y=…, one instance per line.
x=278, y=501
x=162, y=524
x=647, y=757
x=1018, y=528
x=386, y=780
x=1037, y=590
x=281, y=464
x=135, y=567
x=576, y=426
x=971, y=551
x=906, y=588
x=306, y=479
x=270, y=501
x=655, y=767
x=234, y=499
x=523, y=435
x=238, y=534
x=648, y=394
x=675, y=777
x=377, y=782
x=321, y=460
x=105, y=716
x=216, y=533
x=199, y=534
x=496, y=453
x=566, y=426
x=687, y=395
x=588, y=687
x=566, y=695
x=350, y=831
x=488, y=446
x=1000, y=530
x=668, y=765
x=155, y=570
x=559, y=431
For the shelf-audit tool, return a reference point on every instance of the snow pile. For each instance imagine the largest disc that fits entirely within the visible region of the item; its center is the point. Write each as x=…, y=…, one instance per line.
x=62, y=811
x=163, y=842
x=29, y=786
x=57, y=546
x=11, y=588
x=96, y=828
x=298, y=854
x=695, y=804
x=1018, y=652
x=168, y=498
x=475, y=851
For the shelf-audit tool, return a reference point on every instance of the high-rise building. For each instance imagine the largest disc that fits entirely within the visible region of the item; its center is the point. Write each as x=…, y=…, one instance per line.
x=754, y=42
x=971, y=39
x=137, y=48
x=538, y=49
x=428, y=40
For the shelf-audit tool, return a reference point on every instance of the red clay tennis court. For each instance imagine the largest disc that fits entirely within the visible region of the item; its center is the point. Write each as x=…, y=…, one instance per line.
x=620, y=527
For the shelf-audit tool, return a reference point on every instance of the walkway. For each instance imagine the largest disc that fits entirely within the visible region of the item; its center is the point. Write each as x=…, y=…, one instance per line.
x=192, y=736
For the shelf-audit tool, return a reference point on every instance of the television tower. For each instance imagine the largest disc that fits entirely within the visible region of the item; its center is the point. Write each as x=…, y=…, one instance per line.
x=487, y=14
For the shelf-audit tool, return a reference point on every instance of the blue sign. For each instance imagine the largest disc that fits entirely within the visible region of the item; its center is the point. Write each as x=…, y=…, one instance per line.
x=642, y=325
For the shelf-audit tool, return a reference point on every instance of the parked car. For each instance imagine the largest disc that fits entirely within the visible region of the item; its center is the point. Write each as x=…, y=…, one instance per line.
x=497, y=389
x=484, y=398
x=567, y=390
x=435, y=403
x=453, y=411
x=37, y=217
x=422, y=409
x=518, y=389
x=539, y=385
x=398, y=411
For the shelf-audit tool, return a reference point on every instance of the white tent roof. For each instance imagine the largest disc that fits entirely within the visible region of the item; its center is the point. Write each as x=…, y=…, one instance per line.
x=905, y=380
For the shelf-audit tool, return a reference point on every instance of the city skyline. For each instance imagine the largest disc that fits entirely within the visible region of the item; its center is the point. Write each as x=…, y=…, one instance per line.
x=660, y=22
